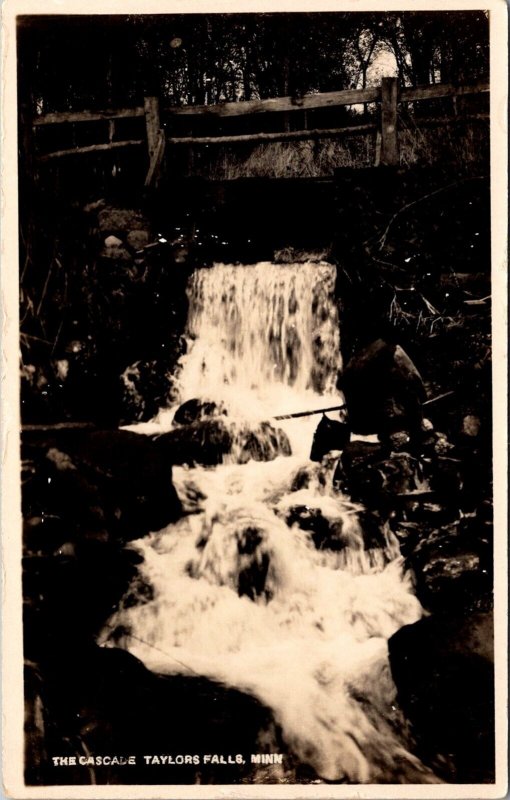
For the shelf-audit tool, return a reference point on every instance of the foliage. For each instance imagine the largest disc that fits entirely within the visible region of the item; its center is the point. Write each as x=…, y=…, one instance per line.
x=70, y=62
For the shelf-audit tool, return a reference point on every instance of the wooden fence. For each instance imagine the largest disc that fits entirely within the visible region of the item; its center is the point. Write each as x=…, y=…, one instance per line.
x=157, y=118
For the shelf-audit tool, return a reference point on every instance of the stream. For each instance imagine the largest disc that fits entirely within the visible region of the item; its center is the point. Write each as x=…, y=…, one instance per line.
x=241, y=592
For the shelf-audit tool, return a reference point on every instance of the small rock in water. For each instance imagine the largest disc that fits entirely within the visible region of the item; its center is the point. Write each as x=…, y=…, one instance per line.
x=311, y=519
x=263, y=443
x=195, y=410
x=204, y=442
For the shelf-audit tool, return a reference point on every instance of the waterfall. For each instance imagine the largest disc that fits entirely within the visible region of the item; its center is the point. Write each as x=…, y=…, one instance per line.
x=242, y=592
x=259, y=329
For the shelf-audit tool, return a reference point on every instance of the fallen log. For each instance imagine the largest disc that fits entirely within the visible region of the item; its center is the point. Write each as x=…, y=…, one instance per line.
x=343, y=407
x=309, y=413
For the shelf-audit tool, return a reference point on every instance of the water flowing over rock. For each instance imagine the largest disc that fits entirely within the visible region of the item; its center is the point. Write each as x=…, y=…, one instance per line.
x=195, y=410
x=262, y=327
x=274, y=582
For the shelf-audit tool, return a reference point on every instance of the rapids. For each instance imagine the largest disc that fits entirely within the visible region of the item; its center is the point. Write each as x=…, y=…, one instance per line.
x=239, y=593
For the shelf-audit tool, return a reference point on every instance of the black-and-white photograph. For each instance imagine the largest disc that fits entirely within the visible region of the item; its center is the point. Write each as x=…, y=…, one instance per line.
x=256, y=399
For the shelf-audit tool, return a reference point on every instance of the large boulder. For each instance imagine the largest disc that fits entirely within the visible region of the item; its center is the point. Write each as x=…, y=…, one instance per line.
x=95, y=700
x=383, y=390
x=443, y=669
x=108, y=485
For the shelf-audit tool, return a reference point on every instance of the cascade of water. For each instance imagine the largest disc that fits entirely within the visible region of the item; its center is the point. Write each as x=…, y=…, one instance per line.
x=259, y=328
x=243, y=592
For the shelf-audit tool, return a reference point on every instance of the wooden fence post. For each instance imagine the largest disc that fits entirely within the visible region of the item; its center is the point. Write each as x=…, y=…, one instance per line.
x=152, y=123
x=389, y=143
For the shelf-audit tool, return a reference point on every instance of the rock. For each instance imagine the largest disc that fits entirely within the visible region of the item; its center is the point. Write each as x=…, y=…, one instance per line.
x=446, y=478
x=121, y=220
x=471, y=426
x=443, y=669
x=195, y=410
x=106, y=699
x=291, y=255
x=146, y=386
x=70, y=593
x=329, y=435
x=357, y=454
x=203, y=442
x=442, y=446
x=453, y=565
x=377, y=478
x=253, y=564
x=400, y=473
x=113, y=241
x=330, y=529
x=355, y=473
x=95, y=205
x=399, y=440
x=323, y=533
x=383, y=390
x=138, y=239
x=112, y=485
x=115, y=252
x=209, y=438
x=261, y=443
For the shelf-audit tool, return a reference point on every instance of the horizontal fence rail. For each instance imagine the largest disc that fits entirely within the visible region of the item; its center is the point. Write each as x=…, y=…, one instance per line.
x=347, y=97
x=88, y=116
x=388, y=95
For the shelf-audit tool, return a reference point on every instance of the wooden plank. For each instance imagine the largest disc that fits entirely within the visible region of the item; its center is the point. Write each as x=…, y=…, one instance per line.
x=377, y=158
x=280, y=136
x=87, y=116
x=152, y=123
x=93, y=148
x=441, y=90
x=153, y=173
x=308, y=102
x=389, y=144
x=346, y=97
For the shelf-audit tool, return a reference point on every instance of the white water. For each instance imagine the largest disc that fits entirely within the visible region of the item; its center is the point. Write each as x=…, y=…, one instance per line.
x=241, y=597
